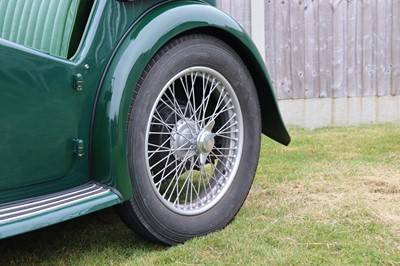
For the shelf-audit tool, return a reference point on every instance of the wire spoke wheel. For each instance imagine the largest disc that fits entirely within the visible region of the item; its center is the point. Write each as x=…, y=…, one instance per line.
x=194, y=140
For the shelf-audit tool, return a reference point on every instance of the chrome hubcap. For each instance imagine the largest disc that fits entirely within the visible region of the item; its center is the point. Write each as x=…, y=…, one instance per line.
x=205, y=142
x=186, y=141
x=182, y=140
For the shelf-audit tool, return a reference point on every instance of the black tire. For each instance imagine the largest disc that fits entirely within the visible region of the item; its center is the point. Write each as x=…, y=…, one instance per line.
x=193, y=146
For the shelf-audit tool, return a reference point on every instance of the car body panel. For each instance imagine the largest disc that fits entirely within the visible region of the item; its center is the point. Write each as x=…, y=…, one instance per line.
x=39, y=118
x=42, y=112
x=109, y=21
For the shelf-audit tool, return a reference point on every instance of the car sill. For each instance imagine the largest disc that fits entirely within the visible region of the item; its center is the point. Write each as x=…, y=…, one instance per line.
x=31, y=214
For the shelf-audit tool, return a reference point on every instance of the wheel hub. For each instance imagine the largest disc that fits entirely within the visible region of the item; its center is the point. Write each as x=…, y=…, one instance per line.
x=205, y=142
x=182, y=139
x=186, y=141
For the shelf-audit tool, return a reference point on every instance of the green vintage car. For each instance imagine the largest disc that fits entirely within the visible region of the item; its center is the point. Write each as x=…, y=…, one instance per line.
x=155, y=107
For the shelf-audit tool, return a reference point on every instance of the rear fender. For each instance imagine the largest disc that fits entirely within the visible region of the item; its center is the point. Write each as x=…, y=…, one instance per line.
x=144, y=39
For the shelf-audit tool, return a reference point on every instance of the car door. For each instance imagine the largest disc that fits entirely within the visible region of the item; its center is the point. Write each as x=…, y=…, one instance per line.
x=38, y=116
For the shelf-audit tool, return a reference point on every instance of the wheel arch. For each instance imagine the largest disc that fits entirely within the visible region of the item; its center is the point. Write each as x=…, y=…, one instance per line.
x=272, y=122
x=143, y=40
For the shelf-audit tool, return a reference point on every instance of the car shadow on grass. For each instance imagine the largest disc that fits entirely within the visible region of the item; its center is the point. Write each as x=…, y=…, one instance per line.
x=97, y=233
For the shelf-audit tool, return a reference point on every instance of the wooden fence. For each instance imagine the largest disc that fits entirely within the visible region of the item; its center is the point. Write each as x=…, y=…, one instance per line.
x=325, y=48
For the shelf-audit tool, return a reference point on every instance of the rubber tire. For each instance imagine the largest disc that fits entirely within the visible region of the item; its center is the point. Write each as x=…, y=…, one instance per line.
x=145, y=213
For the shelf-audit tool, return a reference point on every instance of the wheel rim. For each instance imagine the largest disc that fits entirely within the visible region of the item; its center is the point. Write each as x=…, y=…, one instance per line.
x=194, y=140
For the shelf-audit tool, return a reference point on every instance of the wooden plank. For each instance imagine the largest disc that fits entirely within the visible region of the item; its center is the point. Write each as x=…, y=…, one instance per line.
x=338, y=82
x=236, y=11
x=382, y=27
x=388, y=46
x=297, y=48
x=283, y=56
x=351, y=50
x=224, y=5
x=359, y=48
x=258, y=25
x=395, y=88
x=270, y=50
x=240, y=12
x=368, y=48
x=311, y=73
x=345, y=34
x=325, y=17
x=247, y=15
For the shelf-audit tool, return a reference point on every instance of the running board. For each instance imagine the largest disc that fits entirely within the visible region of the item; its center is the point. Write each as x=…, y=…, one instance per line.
x=34, y=213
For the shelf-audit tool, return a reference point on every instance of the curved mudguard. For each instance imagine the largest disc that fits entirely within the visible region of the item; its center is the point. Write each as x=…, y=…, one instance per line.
x=144, y=39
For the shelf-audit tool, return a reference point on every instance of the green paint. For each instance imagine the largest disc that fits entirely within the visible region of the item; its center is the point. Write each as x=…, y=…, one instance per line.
x=42, y=111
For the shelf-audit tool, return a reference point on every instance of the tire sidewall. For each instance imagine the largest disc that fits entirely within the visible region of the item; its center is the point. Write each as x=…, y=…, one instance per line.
x=190, y=52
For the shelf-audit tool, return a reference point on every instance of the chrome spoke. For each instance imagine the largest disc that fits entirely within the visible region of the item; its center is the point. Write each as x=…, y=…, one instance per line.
x=171, y=171
x=203, y=174
x=225, y=126
x=193, y=80
x=172, y=131
x=170, y=126
x=168, y=149
x=176, y=182
x=190, y=174
x=226, y=132
x=179, y=166
x=223, y=110
x=177, y=112
x=223, y=156
x=162, y=160
x=207, y=100
x=163, y=123
x=188, y=182
x=228, y=149
x=188, y=93
x=175, y=101
x=158, y=147
x=227, y=137
x=212, y=176
x=216, y=168
x=204, y=105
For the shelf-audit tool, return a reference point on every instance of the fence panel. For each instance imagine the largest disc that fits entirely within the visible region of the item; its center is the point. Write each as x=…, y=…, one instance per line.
x=327, y=48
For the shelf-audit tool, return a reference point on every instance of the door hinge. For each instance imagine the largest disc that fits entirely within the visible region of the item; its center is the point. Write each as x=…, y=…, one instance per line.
x=78, y=81
x=78, y=147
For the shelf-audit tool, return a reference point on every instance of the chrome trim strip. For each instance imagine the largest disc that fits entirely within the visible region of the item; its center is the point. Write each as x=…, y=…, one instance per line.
x=48, y=199
x=71, y=198
x=49, y=204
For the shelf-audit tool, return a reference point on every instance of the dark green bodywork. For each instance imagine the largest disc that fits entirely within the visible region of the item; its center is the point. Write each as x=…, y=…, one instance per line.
x=42, y=112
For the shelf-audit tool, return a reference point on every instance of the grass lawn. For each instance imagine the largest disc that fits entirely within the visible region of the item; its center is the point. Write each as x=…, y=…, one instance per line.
x=331, y=197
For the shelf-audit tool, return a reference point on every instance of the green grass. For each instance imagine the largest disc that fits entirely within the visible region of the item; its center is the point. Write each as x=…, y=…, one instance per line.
x=331, y=198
